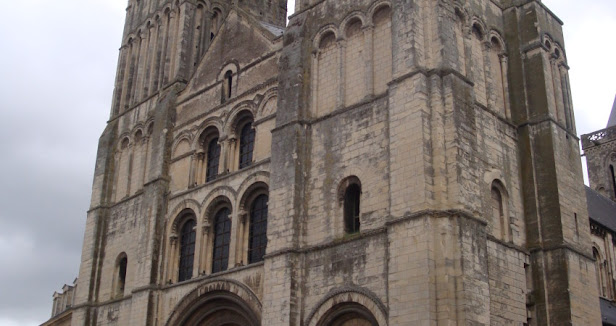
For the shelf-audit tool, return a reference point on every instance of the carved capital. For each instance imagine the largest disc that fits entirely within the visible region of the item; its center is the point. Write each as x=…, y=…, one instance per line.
x=243, y=216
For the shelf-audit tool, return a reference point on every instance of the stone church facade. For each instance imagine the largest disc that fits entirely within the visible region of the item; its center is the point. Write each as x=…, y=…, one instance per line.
x=372, y=162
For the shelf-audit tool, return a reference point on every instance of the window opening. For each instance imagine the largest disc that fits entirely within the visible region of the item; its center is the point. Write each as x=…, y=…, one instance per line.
x=213, y=159
x=613, y=179
x=122, y=275
x=258, y=229
x=228, y=84
x=247, y=142
x=187, y=250
x=222, y=239
x=351, y=209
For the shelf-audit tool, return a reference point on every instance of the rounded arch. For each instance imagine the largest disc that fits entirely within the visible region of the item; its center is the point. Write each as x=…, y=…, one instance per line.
x=181, y=218
x=348, y=300
x=378, y=8
x=262, y=108
x=203, y=3
x=324, y=34
x=150, y=127
x=217, y=198
x=121, y=256
x=119, y=277
x=461, y=13
x=208, y=132
x=250, y=193
x=239, y=115
x=498, y=184
x=559, y=53
x=124, y=142
x=344, y=184
x=495, y=38
x=187, y=205
x=350, y=19
x=138, y=136
x=232, y=65
x=216, y=296
x=183, y=138
x=478, y=28
x=218, y=8
x=250, y=185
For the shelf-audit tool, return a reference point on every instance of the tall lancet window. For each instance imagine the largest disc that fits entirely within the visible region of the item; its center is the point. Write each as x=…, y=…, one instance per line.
x=222, y=239
x=477, y=68
x=351, y=208
x=247, y=143
x=499, y=224
x=227, y=87
x=213, y=159
x=187, y=249
x=497, y=73
x=258, y=229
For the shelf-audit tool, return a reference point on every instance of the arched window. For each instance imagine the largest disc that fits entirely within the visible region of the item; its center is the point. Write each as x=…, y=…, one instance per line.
x=351, y=208
x=327, y=76
x=497, y=209
x=216, y=20
x=499, y=225
x=227, y=87
x=247, y=143
x=213, y=159
x=187, y=249
x=121, y=266
x=478, y=64
x=599, y=271
x=382, y=49
x=497, y=74
x=222, y=238
x=258, y=229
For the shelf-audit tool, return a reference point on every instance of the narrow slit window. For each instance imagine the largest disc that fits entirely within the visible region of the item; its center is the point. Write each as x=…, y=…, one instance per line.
x=122, y=276
x=228, y=85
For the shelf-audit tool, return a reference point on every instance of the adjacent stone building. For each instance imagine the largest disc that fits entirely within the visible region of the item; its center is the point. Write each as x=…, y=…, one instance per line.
x=600, y=151
x=372, y=162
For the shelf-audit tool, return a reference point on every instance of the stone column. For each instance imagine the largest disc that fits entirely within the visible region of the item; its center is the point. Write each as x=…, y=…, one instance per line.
x=369, y=59
x=340, y=97
x=503, y=67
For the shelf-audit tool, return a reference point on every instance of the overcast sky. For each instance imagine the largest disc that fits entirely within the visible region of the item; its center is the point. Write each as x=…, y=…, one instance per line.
x=57, y=67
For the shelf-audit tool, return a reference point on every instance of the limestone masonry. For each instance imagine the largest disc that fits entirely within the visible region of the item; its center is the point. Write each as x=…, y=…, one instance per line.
x=372, y=162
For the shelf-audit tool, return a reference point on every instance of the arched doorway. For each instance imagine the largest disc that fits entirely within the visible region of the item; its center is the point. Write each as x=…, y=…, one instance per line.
x=215, y=308
x=348, y=314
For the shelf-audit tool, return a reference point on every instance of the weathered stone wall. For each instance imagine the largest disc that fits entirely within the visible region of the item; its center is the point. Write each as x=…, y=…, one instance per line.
x=471, y=189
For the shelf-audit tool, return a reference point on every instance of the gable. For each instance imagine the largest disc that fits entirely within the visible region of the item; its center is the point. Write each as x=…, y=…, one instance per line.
x=240, y=42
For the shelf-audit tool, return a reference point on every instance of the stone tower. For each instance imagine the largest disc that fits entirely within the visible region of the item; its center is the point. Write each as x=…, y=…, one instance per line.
x=600, y=150
x=381, y=162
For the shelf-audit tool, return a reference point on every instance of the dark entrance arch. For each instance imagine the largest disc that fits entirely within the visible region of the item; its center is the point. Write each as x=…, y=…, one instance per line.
x=217, y=308
x=348, y=314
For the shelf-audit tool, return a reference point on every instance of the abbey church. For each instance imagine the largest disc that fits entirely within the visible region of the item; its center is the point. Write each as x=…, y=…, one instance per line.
x=368, y=163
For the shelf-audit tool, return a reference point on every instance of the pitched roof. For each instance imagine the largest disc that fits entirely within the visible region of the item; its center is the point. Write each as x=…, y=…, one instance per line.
x=612, y=121
x=608, y=312
x=601, y=209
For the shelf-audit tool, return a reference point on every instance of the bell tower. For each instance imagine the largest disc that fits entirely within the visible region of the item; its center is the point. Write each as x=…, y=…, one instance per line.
x=164, y=41
x=600, y=151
